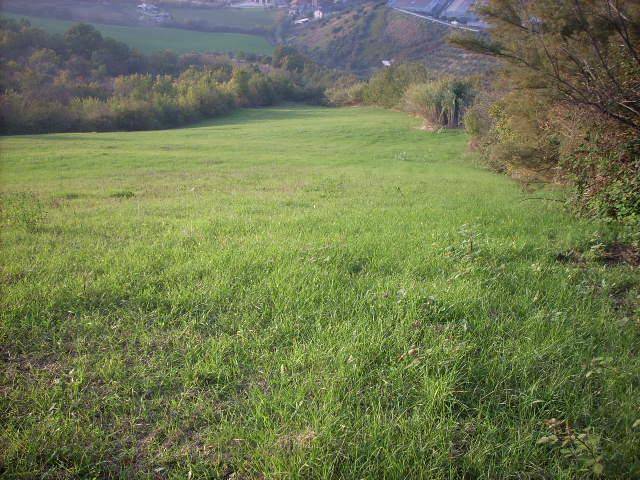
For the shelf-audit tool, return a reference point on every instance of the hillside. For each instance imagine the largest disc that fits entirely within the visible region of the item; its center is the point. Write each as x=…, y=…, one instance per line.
x=356, y=38
x=457, y=11
x=360, y=38
x=302, y=292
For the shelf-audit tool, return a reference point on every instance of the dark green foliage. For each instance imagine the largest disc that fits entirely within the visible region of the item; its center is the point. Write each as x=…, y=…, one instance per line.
x=603, y=163
x=83, y=39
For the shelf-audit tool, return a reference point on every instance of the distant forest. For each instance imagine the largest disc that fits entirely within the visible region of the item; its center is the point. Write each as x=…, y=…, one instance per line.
x=81, y=81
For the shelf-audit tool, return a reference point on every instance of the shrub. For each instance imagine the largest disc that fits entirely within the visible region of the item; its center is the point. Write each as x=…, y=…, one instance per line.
x=93, y=114
x=602, y=161
x=387, y=87
x=346, y=95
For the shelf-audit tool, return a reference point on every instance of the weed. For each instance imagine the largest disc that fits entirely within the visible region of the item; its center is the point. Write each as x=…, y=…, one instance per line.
x=582, y=448
x=123, y=194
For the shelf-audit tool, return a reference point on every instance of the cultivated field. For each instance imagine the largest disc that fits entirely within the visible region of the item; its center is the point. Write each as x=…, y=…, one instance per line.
x=153, y=39
x=302, y=292
x=227, y=17
x=122, y=13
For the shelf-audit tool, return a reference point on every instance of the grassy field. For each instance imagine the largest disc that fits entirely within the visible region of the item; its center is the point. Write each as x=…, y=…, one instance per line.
x=153, y=39
x=227, y=17
x=302, y=292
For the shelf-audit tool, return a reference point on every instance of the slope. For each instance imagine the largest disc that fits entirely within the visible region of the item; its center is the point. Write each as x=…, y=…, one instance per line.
x=360, y=38
x=301, y=292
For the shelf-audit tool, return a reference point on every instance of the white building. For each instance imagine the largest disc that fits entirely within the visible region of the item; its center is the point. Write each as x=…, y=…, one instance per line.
x=149, y=12
x=148, y=9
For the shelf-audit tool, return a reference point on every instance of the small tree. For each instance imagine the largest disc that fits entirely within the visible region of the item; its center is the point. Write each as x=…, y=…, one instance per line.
x=583, y=52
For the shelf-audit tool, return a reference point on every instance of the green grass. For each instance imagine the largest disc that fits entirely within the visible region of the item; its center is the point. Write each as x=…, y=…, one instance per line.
x=227, y=17
x=301, y=292
x=153, y=39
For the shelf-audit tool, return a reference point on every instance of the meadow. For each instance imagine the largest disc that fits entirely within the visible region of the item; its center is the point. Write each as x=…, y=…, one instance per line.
x=303, y=292
x=153, y=39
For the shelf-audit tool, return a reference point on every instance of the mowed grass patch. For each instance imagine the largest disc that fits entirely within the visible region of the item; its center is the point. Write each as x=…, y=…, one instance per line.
x=301, y=292
x=153, y=39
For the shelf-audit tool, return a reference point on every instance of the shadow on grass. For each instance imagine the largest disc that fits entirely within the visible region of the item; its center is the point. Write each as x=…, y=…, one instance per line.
x=289, y=112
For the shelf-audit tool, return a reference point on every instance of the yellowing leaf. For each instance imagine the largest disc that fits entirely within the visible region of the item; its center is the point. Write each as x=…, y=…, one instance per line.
x=598, y=468
x=545, y=440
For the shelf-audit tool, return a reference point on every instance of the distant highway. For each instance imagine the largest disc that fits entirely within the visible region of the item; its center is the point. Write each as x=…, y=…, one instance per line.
x=435, y=20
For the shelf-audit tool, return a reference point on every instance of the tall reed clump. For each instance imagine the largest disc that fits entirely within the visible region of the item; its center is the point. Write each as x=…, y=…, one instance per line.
x=441, y=103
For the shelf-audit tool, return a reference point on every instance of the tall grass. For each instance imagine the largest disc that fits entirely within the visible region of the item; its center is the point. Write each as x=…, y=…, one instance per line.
x=440, y=102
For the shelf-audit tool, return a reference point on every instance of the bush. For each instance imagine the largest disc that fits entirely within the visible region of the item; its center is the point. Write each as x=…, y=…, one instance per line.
x=346, y=95
x=24, y=114
x=93, y=114
x=474, y=124
x=387, y=87
x=603, y=163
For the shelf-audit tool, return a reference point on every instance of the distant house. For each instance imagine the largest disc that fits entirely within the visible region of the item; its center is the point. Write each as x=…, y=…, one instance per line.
x=148, y=9
x=301, y=7
x=149, y=12
x=387, y=63
x=318, y=14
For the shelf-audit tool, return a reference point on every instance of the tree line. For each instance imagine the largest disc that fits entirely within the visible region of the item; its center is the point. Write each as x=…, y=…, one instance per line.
x=81, y=81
